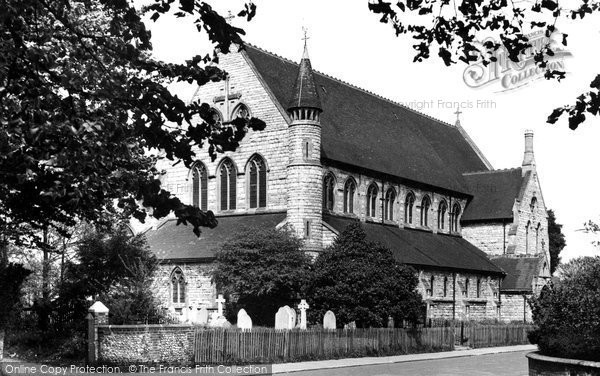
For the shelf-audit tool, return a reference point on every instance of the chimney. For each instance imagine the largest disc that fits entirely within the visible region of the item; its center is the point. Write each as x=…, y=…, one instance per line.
x=528, y=159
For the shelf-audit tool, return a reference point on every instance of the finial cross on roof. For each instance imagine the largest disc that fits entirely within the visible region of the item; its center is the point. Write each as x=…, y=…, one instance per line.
x=306, y=37
x=458, y=112
x=230, y=16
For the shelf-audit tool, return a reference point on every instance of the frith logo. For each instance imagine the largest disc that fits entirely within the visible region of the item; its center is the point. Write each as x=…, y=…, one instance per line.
x=511, y=75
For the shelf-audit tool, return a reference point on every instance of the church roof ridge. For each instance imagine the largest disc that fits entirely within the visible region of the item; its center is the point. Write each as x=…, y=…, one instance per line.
x=492, y=171
x=353, y=86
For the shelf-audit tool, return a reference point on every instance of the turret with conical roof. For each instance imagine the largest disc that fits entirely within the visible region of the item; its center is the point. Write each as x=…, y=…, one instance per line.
x=304, y=170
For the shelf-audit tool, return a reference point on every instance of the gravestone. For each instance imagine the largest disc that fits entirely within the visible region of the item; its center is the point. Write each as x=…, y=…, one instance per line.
x=220, y=322
x=329, y=321
x=285, y=318
x=293, y=317
x=350, y=325
x=390, y=323
x=303, y=306
x=203, y=316
x=220, y=301
x=185, y=313
x=193, y=316
x=243, y=320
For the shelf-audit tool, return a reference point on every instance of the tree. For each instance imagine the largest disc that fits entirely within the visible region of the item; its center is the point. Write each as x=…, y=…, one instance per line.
x=261, y=270
x=556, y=241
x=12, y=277
x=457, y=29
x=567, y=313
x=82, y=102
x=115, y=269
x=361, y=281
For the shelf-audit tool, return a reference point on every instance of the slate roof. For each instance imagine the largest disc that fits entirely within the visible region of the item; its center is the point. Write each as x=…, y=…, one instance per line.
x=367, y=131
x=421, y=248
x=305, y=93
x=519, y=273
x=178, y=243
x=494, y=194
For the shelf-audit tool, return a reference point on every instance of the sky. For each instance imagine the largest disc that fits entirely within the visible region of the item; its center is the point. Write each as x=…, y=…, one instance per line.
x=348, y=42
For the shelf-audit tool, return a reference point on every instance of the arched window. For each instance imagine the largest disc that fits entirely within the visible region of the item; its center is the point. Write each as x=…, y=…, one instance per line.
x=425, y=205
x=466, y=290
x=454, y=215
x=527, y=237
x=372, y=200
x=478, y=287
x=390, y=198
x=533, y=204
x=178, y=286
x=227, y=181
x=349, y=190
x=445, y=286
x=537, y=237
x=241, y=111
x=431, y=282
x=441, y=217
x=257, y=182
x=215, y=116
x=409, y=202
x=199, y=186
x=328, y=191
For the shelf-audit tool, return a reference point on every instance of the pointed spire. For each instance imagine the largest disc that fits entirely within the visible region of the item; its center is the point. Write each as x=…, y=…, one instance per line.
x=305, y=93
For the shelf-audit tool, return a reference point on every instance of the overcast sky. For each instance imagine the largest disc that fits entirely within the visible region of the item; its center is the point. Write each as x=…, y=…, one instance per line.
x=347, y=42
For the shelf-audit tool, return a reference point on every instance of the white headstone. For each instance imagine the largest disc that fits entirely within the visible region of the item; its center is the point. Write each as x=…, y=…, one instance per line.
x=303, y=306
x=185, y=314
x=203, y=316
x=293, y=316
x=220, y=300
x=329, y=321
x=243, y=320
x=283, y=318
x=193, y=314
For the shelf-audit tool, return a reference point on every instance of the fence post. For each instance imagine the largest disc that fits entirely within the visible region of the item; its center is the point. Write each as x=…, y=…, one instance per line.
x=97, y=315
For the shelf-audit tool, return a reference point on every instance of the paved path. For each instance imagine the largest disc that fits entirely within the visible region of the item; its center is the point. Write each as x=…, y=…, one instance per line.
x=503, y=364
x=509, y=360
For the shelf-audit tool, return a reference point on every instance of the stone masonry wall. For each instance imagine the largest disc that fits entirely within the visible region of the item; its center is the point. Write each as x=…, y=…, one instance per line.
x=146, y=344
x=513, y=306
x=491, y=238
x=469, y=305
x=271, y=143
x=199, y=291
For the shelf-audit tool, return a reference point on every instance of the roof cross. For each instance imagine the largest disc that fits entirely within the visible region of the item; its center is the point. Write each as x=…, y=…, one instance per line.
x=306, y=37
x=229, y=17
x=458, y=112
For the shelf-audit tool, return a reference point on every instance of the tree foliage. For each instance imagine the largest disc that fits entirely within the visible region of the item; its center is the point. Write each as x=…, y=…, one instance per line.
x=361, y=281
x=455, y=30
x=556, y=241
x=82, y=101
x=117, y=270
x=261, y=270
x=567, y=313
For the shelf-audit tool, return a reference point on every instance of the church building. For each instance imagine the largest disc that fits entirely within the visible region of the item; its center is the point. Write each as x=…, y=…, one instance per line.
x=333, y=153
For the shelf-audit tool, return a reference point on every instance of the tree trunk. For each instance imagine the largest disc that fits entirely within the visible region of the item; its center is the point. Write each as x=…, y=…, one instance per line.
x=1, y=344
x=43, y=312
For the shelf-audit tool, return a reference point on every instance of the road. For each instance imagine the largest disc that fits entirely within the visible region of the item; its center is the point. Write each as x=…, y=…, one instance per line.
x=506, y=364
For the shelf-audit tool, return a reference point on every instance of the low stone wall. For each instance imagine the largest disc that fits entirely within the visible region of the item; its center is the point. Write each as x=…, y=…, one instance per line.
x=551, y=366
x=146, y=344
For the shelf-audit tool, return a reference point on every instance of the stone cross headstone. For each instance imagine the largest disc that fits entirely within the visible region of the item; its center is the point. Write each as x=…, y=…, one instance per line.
x=203, y=316
x=303, y=306
x=243, y=320
x=220, y=300
x=283, y=318
x=329, y=322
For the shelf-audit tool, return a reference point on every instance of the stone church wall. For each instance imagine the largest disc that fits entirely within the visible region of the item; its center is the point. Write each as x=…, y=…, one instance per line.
x=271, y=143
x=513, y=306
x=489, y=237
x=199, y=290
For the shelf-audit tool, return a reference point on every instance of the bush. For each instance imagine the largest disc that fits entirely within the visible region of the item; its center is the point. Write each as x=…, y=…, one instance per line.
x=361, y=281
x=261, y=270
x=567, y=313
